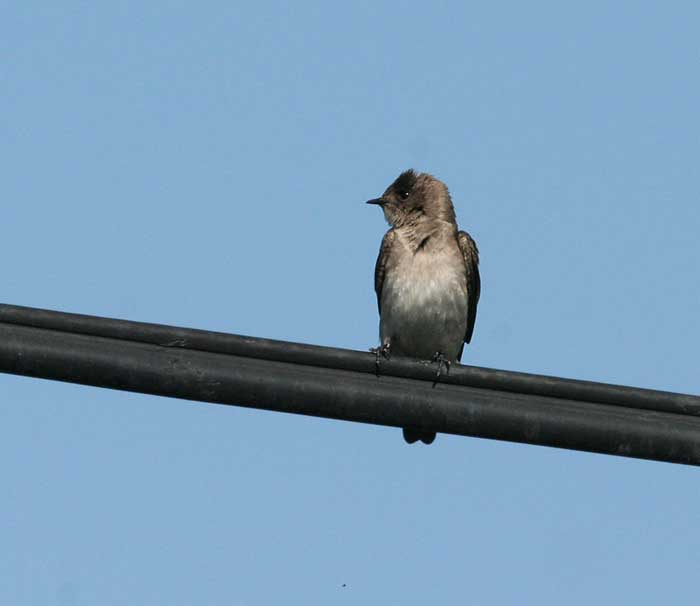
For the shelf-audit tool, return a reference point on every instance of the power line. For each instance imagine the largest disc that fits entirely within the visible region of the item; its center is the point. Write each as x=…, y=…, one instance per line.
x=342, y=384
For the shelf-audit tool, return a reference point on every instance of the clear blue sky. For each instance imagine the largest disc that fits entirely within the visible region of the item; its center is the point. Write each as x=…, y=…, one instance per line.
x=207, y=164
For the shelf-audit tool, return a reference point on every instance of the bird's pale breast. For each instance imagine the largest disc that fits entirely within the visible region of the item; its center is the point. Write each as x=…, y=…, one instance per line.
x=424, y=304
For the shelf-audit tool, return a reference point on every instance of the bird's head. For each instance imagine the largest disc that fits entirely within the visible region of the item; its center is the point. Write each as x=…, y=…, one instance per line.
x=415, y=197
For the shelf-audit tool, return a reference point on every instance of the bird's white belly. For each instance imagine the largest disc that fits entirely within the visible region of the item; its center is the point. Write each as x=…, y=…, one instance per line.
x=424, y=307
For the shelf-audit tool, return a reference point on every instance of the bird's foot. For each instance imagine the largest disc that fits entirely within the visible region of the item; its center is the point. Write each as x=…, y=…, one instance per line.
x=442, y=361
x=384, y=351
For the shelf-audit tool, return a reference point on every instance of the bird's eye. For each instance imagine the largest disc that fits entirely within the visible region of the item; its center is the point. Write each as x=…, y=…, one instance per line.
x=403, y=194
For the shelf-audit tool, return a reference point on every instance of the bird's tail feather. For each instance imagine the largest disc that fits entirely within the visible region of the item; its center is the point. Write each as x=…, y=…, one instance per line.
x=413, y=434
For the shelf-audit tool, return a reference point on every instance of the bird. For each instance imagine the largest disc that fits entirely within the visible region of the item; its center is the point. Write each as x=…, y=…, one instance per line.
x=426, y=278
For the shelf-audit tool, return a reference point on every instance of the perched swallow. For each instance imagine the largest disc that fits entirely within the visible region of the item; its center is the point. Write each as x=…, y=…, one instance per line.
x=426, y=277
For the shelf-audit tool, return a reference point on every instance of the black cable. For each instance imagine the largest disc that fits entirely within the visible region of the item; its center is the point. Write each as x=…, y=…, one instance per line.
x=341, y=384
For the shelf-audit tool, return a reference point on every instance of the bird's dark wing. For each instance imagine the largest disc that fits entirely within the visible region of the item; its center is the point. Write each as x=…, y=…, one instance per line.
x=381, y=266
x=471, y=262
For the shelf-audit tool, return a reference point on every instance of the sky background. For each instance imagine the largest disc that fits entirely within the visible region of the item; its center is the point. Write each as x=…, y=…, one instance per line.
x=206, y=165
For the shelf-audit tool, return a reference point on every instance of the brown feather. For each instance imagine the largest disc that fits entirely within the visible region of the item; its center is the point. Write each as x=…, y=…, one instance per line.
x=380, y=267
x=470, y=252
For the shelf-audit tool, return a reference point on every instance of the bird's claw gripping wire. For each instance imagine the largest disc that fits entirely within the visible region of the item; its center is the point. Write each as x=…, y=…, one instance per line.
x=441, y=360
x=384, y=351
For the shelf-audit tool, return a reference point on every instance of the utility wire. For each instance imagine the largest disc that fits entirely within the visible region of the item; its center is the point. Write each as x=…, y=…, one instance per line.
x=342, y=384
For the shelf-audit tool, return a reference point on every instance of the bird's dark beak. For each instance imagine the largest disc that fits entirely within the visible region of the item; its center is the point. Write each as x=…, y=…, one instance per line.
x=378, y=201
